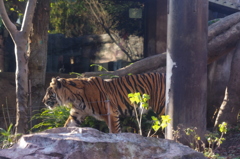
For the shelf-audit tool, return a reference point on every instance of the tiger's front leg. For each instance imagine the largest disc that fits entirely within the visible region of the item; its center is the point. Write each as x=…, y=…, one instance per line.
x=71, y=122
x=75, y=118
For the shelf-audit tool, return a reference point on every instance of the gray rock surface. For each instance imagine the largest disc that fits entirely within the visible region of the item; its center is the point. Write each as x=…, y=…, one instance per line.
x=88, y=143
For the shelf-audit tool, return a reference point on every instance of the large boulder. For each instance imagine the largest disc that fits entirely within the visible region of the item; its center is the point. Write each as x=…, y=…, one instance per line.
x=88, y=143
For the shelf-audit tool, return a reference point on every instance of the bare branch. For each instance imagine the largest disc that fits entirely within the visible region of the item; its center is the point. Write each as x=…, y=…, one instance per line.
x=28, y=16
x=106, y=22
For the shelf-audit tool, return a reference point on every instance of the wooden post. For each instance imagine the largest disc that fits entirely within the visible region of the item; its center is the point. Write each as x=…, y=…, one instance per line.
x=155, y=37
x=1, y=54
x=187, y=66
x=109, y=117
x=161, y=30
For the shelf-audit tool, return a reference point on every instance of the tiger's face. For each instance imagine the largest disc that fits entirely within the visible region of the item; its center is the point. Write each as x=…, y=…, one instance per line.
x=50, y=99
x=64, y=92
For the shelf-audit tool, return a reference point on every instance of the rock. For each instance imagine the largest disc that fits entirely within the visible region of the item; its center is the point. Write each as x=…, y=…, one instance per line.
x=89, y=143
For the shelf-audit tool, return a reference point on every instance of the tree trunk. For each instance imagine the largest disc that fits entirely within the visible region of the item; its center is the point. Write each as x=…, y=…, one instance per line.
x=161, y=31
x=1, y=54
x=21, y=83
x=155, y=32
x=20, y=39
x=186, y=80
x=38, y=55
x=231, y=104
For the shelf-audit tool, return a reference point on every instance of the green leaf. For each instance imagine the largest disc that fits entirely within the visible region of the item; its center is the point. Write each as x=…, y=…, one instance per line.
x=146, y=97
x=163, y=125
x=100, y=68
x=75, y=73
x=166, y=118
x=130, y=95
x=51, y=118
x=223, y=127
x=10, y=127
x=154, y=118
x=134, y=97
x=145, y=105
x=156, y=127
x=132, y=100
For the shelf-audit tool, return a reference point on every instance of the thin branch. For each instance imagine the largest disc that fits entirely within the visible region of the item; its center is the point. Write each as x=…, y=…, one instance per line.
x=103, y=19
x=28, y=16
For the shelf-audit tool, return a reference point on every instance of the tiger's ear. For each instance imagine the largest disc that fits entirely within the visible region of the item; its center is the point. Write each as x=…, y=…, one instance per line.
x=61, y=81
x=54, y=80
x=57, y=81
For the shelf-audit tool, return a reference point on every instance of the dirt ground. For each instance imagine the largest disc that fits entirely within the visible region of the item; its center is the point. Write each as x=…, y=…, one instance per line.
x=230, y=147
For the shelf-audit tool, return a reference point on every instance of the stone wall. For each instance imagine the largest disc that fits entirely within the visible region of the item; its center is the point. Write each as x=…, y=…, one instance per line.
x=93, y=49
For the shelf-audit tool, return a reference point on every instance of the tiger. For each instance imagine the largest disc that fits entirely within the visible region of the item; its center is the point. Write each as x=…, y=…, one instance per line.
x=105, y=100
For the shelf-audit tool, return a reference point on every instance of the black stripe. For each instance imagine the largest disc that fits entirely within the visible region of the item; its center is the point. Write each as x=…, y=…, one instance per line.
x=75, y=119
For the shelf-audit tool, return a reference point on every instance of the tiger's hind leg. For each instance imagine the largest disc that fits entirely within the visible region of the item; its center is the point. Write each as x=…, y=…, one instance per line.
x=112, y=121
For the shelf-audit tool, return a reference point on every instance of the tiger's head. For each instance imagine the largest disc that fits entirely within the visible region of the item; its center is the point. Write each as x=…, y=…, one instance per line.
x=68, y=92
x=75, y=93
x=51, y=98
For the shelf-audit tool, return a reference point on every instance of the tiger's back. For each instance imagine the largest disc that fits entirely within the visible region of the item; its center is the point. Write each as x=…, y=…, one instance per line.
x=152, y=84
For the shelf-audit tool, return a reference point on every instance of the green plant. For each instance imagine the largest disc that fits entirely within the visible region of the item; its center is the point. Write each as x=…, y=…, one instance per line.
x=75, y=73
x=94, y=123
x=136, y=99
x=157, y=124
x=101, y=68
x=56, y=117
x=213, y=21
x=5, y=111
x=141, y=100
x=7, y=137
x=51, y=118
x=215, y=140
x=193, y=138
